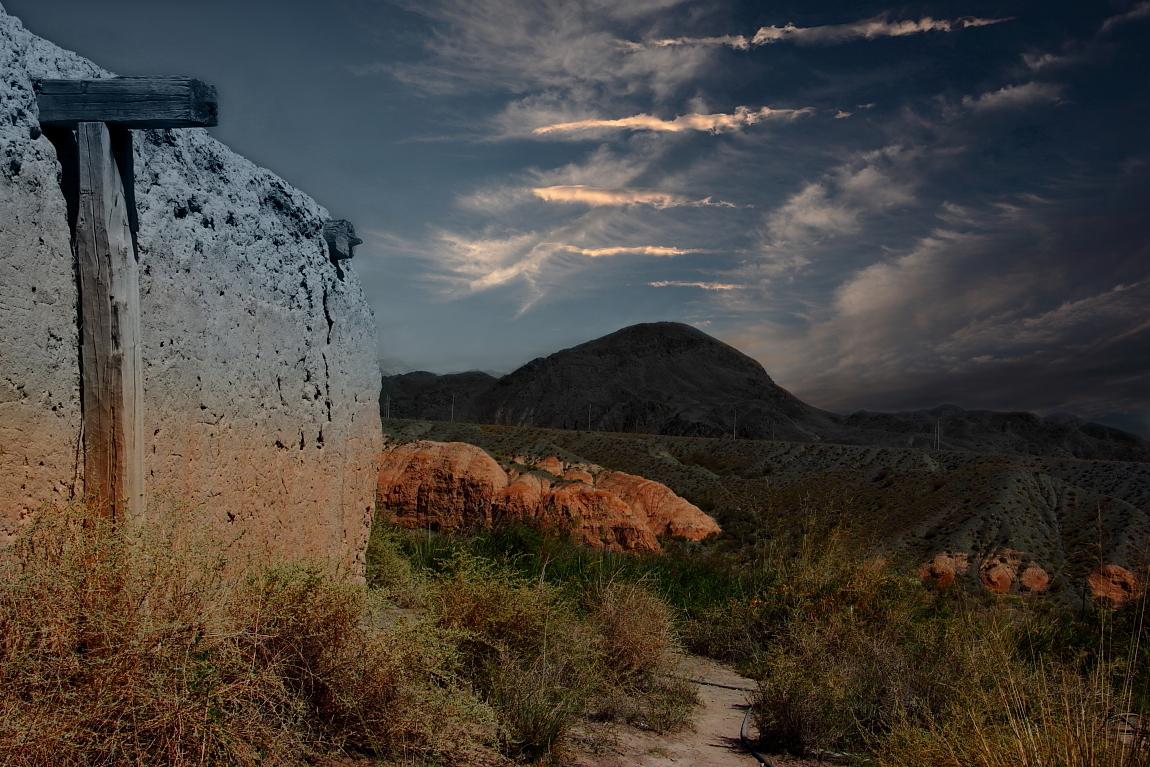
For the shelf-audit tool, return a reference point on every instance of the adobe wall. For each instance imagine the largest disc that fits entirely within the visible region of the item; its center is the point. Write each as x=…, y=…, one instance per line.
x=260, y=378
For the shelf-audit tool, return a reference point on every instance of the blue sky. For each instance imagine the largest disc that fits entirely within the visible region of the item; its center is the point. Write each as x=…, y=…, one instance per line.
x=890, y=206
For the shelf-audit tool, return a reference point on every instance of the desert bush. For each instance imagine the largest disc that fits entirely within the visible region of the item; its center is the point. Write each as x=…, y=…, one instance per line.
x=638, y=641
x=846, y=644
x=539, y=701
x=1030, y=715
x=389, y=572
x=525, y=650
x=637, y=630
x=116, y=649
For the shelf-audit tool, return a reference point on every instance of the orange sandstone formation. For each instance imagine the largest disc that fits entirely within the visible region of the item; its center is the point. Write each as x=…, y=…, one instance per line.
x=944, y=569
x=1003, y=572
x=551, y=465
x=577, y=474
x=1114, y=585
x=667, y=513
x=1034, y=580
x=597, y=518
x=442, y=485
x=449, y=485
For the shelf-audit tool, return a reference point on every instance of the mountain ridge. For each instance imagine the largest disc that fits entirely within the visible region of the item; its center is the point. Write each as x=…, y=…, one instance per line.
x=672, y=379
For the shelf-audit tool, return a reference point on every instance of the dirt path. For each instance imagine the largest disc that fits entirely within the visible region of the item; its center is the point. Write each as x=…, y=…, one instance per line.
x=714, y=739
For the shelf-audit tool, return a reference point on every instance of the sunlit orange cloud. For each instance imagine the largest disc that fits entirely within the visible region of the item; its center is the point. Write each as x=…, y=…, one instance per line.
x=712, y=123
x=699, y=285
x=596, y=197
x=867, y=29
x=640, y=250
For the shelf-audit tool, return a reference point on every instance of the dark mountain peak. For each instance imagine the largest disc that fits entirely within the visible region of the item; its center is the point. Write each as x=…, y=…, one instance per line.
x=670, y=341
x=671, y=378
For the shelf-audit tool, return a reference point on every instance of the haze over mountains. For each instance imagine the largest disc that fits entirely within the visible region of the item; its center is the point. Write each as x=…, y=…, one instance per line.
x=673, y=379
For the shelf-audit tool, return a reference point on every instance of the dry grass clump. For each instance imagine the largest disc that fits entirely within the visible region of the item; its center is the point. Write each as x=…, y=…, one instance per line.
x=1024, y=715
x=525, y=650
x=546, y=659
x=115, y=650
x=858, y=658
x=638, y=640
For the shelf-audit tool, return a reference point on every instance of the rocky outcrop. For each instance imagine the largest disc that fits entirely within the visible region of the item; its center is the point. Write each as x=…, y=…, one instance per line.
x=441, y=485
x=944, y=569
x=1004, y=571
x=1114, y=585
x=597, y=518
x=1034, y=580
x=998, y=571
x=453, y=485
x=260, y=379
x=666, y=512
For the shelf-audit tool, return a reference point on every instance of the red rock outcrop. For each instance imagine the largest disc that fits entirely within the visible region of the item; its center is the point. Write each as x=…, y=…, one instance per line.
x=597, y=518
x=525, y=495
x=997, y=578
x=942, y=571
x=551, y=464
x=449, y=485
x=667, y=513
x=1034, y=580
x=444, y=485
x=1003, y=572
x=576, y=474
x=1114, y=585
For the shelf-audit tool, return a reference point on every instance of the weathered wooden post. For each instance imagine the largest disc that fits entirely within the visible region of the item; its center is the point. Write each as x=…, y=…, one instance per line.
x=102, y=114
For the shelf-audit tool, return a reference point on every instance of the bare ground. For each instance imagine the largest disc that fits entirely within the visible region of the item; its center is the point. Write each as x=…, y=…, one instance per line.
x=712, y=739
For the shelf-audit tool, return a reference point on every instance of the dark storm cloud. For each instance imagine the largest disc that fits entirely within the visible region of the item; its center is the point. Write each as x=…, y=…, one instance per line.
x=890, y=206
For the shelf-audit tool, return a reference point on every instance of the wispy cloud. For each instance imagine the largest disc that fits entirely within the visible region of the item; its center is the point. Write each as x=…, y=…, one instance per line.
x=597, y=197
x=1138, y=12
x=1015, y=96
x=525, y=46
x=738, y=42
x=836, y=204
x=716, y=286
x=1042, y=61
x=867, y=29
x=742, y=117
x=629, y=250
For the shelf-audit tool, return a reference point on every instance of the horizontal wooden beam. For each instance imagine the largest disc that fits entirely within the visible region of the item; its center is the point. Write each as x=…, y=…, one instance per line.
x=341, y=239
x=128, y=102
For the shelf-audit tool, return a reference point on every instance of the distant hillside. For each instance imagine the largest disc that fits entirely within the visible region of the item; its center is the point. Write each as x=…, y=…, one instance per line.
x=673, y=379
x=1067, y=513
x=430, y=396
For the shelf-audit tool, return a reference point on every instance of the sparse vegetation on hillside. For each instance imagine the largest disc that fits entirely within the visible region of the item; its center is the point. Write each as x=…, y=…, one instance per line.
x=914, y=502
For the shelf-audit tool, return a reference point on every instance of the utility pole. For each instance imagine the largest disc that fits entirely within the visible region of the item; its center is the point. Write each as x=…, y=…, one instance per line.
x=735, y=422
x=588, y=416
x=453, y=408
x=937, y=434
x=387, y=408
